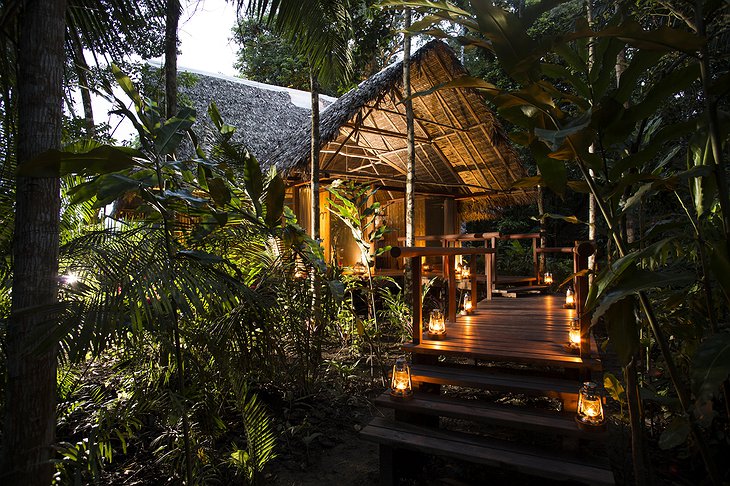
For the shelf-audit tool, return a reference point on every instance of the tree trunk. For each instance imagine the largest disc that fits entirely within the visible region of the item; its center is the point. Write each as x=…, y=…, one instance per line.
x=410, y=202
x=317, y=323
x=30, y=416
x=171, y=21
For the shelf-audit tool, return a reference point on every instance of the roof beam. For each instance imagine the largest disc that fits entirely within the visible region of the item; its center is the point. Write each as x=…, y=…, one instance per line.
x=417, y=118
x=385, y=133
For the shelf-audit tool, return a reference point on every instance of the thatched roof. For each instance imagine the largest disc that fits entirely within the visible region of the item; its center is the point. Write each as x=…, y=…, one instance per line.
x=264, y=115
x=461, y=149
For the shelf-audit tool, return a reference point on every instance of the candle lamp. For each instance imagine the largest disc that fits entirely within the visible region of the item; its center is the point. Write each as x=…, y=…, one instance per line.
x=574, y=334
x=547, y=278
x=468, y=306
x=465, y=271
x=569, y=299
x=590, y=407
x=401, y=386
x=436, y=325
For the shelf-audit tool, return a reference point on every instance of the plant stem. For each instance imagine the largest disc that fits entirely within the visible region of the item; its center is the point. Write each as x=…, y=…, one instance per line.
x=176, y=332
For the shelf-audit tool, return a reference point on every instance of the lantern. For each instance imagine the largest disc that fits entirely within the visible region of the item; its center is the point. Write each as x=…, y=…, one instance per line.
x=436, y=325
x=569, y=299
x=457, y=270
x=547, y=278
x=465, y=272
x=574, y=333
x=359, y=269
x=401, y=386
x=590, y=406
x=467, y=303
x=425, y=268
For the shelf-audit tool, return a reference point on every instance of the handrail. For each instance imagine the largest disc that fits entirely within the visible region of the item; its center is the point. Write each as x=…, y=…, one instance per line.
x=424, y=251
x=449, y=264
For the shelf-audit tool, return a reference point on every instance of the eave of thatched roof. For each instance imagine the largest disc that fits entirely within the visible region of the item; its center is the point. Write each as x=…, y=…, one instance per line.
x=264, y=115
x=461, y=148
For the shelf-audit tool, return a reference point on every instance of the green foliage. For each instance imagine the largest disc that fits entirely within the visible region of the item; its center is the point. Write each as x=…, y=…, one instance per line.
x=260, y=440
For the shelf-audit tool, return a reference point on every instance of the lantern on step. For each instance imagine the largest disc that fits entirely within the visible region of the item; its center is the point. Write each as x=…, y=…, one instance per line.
x=436, y=325
x=401, y=386
x=468, y=306
x=590, y=406
x=574, y=334
x=547, y=278
x=569, y=299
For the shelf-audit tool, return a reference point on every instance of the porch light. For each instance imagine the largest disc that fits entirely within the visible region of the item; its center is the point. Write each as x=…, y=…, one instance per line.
x=569, y=299
x=436, y=325
x=467, y=303
x=401, y=386
x=547, y=278
x=590, y=406
x=574, y=334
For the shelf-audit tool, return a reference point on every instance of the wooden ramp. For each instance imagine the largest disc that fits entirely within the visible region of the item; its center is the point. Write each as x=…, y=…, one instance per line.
x=514, y=347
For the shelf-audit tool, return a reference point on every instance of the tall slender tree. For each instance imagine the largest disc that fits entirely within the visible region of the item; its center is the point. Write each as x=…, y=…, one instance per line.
x=30, y=399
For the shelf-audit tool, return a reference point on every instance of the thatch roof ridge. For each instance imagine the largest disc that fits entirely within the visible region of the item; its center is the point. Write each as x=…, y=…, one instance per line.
x=296, y=152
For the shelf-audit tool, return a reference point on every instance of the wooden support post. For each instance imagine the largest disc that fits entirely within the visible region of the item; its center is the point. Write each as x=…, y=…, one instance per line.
x=535, y=264
x=388, y=474
x=494, y=261
x=473, y=277
x=490, y=274
x=416, y=295
x=451, y=262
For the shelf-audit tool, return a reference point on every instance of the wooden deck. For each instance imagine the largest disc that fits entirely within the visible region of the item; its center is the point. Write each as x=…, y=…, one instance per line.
x=531, y=329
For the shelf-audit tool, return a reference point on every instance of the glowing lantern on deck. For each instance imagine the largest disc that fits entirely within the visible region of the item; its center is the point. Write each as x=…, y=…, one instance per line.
x=569, y=299
x=436, y=325
x=590, y=406
x=468, y=306
x=401, y=386
x=574, y=333
x=465, y=272
x=547, y=278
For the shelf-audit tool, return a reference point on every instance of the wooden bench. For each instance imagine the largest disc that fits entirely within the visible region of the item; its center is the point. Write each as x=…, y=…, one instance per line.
x=393, y=436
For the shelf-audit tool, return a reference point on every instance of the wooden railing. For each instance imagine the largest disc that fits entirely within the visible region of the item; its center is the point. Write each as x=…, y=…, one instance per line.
x=449, y=262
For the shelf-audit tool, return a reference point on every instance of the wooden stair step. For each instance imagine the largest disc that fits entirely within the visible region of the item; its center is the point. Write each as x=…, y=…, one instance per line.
x=564, y=390
x=558, y=358
x=486, y=451
x=524, y=418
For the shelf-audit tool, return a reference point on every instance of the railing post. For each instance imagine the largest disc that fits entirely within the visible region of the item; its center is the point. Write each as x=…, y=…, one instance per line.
x=535, y=264
x=473, y=278
x=416, y=285
x=580, y=262
x=451, y=263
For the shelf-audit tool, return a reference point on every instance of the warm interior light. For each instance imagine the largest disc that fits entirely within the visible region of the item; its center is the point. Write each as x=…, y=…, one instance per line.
x=590, y=405
x=436, y=324
x=575, y=333
x=457, y=270
x=547, y=278
x=400, y=385
x=569, y=299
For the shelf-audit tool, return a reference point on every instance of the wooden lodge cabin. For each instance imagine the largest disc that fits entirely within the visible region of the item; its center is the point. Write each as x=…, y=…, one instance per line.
x=465, y=164
x=514, y=348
